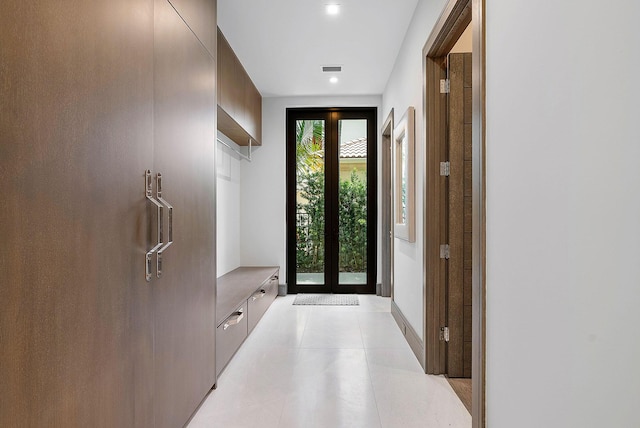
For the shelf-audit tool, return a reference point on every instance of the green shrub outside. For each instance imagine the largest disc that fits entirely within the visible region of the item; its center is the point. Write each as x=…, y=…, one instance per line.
x=352, y=209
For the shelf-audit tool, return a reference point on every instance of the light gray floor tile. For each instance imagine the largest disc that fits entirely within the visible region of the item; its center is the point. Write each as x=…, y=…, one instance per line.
x=284, y=328
x=327, y=367
x=407, y=397
x=379, y=330
x=332, y=330
x=257, y=415
x=332, y=389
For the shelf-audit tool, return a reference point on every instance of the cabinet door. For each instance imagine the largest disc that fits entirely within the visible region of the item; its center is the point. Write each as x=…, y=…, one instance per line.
x=252, y=110
x=76, y=130
x=255, y=108
x=184, y=150
x=201, y=17
x=231, y=81
x=248, y=121
x=225, y=73
x=237, y=85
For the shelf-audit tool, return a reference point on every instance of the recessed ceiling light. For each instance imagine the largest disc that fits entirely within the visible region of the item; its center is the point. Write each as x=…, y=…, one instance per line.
x=333, y=9
x=333, y=79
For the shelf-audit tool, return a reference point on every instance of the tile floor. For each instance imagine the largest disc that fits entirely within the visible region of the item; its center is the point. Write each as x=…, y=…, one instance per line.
x=328, y=367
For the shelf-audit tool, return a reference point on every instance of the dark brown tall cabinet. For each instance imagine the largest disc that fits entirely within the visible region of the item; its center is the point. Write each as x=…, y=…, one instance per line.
x=93, y=94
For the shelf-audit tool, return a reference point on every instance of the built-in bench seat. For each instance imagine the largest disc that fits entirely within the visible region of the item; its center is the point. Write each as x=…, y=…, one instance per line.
x=244, y=295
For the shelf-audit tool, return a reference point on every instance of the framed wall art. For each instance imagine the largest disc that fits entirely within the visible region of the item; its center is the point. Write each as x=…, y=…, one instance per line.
x=404, y=177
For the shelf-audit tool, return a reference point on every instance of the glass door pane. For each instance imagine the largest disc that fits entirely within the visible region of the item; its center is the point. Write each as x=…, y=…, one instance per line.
x=310, y=202
x=352, y=201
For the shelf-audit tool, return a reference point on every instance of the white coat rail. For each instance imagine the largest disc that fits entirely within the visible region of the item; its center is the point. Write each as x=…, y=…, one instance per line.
x=242, y=155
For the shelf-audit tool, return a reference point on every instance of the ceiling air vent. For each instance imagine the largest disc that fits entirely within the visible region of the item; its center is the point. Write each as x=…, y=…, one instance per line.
x=331, y=68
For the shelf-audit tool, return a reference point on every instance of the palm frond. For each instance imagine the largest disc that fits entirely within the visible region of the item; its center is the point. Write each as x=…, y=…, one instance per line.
x=309, y=145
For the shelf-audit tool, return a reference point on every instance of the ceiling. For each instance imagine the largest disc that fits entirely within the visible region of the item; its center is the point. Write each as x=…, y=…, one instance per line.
x=283, y=44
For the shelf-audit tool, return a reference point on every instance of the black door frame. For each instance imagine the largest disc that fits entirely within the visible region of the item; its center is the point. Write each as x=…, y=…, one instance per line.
x=331, y=116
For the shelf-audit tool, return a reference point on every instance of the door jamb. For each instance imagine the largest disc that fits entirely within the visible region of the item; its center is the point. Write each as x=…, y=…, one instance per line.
x=386, y=203
x=455, y=17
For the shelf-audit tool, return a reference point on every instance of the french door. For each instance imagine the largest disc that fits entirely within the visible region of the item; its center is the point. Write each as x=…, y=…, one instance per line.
x=331, y=200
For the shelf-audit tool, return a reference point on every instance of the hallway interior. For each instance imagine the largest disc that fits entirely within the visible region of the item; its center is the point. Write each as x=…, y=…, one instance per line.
x=329, y=366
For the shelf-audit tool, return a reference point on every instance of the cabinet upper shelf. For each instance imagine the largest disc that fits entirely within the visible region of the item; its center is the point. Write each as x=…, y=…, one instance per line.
x=239, y=102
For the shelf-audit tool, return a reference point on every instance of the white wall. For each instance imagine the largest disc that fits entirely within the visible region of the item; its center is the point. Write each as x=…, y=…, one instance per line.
x=405, y=89
x=563, y=214
x=263, y=201
x=563, y=209
x=228, y=208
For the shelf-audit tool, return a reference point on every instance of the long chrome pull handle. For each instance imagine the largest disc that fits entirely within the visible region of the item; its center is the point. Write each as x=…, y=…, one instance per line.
x=149, y=195
x=170, y=208
x=258, y=295
x=234, y=319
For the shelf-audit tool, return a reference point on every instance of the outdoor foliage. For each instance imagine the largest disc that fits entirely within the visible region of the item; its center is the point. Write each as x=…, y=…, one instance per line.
x=310, y=210
x=310, y=224
x=309, y=146
x=353, y=223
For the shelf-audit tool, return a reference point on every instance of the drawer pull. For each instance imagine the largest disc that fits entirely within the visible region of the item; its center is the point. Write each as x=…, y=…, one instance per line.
x=234, y=319
x=259, y=295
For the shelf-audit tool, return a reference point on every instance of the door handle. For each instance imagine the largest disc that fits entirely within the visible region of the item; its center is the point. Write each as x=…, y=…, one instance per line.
x=170, y=226
x=234, y=319
x=159, y=207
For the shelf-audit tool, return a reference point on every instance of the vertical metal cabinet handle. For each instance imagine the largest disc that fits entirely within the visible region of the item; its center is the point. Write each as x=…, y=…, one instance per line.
x=234, y=319
x=170, y=208
x=149, y=195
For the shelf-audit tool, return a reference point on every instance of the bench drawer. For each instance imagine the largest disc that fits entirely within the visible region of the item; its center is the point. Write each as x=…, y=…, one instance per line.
x=229, y=336
x=260, y=301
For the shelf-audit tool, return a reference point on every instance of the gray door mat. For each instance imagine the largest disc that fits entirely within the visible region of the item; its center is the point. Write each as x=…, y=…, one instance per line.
x=327, y=299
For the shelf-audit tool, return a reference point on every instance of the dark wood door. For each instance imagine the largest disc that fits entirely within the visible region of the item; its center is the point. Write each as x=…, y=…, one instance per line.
x=184, y=150
x=76, y=134
x=459, y=221
x=436, y=216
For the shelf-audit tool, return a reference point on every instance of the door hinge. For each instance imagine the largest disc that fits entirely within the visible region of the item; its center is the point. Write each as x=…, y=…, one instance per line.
x=445, y=86
x=444, y=251
x=445, y=169
x=444, y=334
